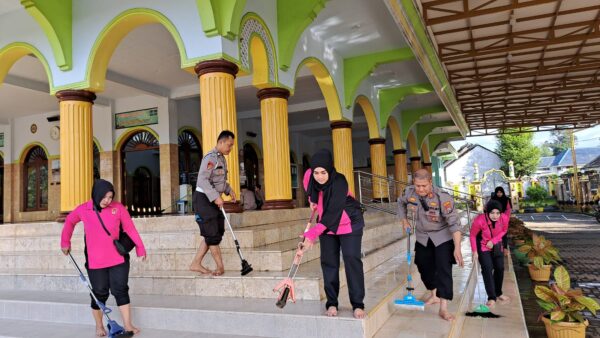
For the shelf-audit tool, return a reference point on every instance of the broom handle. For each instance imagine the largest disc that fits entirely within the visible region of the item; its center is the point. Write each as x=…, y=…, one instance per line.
x=237, y=244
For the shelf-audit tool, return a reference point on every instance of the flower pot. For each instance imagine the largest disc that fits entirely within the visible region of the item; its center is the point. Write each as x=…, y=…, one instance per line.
x=539, y=275
x=565, y=329
x=541, y=209
x=521, y=211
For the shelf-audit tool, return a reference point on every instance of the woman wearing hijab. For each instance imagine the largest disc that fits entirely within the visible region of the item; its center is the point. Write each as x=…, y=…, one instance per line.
x=339, y=225
x=107, y=269
x=486, y=235
x=500, y=196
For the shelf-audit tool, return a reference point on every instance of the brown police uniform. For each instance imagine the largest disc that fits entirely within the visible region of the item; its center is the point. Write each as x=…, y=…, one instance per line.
x=435, y=222
x=212, y=182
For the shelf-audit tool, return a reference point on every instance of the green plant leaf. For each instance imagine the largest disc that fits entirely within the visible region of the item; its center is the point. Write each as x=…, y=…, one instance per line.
x=545, y=294
x=525, y=248
x=546, y=306
x=577, y=317
x=557, y=315
x=563, y=300
x=561, y=276
x=589, y=303
x=538, y=262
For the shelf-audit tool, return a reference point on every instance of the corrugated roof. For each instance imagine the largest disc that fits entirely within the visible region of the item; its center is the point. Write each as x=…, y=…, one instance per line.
x=595, y=163
x=584, y=156
x=545, y=162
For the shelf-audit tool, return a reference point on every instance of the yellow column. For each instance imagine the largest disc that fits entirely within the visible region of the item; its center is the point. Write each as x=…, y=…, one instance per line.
x=76, y=148
x=400, y=172
x=379, y=168
x=415, y=163
x=427, y=165
x=217, y=109
x=342, y=150
x=276, y=148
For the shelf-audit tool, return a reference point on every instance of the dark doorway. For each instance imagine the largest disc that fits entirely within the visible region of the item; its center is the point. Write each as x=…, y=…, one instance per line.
x=251, y=166
x=141, y=173
x=35, y=182
x=190, y=157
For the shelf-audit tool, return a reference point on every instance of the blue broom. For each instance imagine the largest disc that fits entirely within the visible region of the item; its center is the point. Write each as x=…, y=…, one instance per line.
x=409, y=301
x=114, y=329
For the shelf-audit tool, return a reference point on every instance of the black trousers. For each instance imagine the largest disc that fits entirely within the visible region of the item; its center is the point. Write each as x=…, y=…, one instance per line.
x=435, y=266
x=330, y=264
x=209, y=217
x=492, y=270
x=113, y=279
x=505, y=241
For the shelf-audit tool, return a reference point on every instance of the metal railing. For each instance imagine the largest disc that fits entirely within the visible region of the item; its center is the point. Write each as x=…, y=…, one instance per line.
x=381, y=193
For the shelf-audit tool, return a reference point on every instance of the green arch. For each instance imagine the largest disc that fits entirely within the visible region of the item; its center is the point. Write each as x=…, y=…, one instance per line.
x=221, y=17
x=12, y=52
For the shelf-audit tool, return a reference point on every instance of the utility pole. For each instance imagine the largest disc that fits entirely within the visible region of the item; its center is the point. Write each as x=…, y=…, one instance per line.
x=575, y=172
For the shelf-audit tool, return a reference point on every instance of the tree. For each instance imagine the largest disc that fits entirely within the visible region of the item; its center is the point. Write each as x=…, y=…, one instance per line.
x=519, y=148
x=560, y=140
x=546, y=150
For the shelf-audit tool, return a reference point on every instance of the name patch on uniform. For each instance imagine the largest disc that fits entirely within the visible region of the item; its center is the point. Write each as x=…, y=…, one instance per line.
x=412, y=199
x=432, y=204
x=210, y=165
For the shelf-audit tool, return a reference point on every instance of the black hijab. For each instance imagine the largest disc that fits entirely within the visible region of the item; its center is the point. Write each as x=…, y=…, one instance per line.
x=334, y=190
x=99, y=190
x=504, y=200
x=491, y=205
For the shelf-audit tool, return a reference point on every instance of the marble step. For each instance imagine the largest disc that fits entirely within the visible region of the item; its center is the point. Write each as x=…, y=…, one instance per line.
x=10, y=328
x=224, y=316
x=258, y=284
x=184, y=237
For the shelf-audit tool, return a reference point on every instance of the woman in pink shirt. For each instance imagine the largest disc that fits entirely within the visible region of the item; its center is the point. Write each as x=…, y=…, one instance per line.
x=107, y=269
x=339, y=225
x=486, y=243
x=500, y=196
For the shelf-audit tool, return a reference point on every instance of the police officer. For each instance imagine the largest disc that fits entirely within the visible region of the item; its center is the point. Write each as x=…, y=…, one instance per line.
x=438, y=233
x=207, y=201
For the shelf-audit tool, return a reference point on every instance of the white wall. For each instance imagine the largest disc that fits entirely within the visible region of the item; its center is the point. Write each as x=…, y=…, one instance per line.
x=464, y=166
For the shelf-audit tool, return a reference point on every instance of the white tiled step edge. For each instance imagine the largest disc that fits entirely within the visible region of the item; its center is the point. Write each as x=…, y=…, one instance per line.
x=255, y=317
x=258, y=284
x=34, y=329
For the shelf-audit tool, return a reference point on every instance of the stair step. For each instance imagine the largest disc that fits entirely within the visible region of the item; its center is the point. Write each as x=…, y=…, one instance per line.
x=258, y=284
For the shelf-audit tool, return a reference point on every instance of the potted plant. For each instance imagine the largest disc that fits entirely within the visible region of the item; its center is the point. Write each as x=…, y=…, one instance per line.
x=562, y=307
x=537, y=195
x=542, y=254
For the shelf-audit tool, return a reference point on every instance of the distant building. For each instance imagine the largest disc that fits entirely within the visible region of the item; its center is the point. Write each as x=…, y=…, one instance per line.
x=559, y=164
x=462, y=168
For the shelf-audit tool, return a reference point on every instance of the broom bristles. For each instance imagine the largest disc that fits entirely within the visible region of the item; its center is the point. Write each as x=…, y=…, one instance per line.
x=482, y=314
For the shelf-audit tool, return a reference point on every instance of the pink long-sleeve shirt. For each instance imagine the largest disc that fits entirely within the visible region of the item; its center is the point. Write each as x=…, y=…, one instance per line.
x=345, y=226
x=480, y=224
x=100, y=247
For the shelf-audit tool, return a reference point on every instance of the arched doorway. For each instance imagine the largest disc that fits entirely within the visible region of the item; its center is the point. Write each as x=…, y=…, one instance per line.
x=190, y=157
x=35, y=180
x=96, y=162
x=141, y=173
x=251, y=166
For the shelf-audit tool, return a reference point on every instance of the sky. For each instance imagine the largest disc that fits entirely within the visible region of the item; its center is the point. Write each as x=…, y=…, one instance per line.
x=589, y=137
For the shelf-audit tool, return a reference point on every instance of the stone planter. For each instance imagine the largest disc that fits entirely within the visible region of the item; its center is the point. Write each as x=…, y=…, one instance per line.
x=539, y=209
x=539, y=275
x=565, y=329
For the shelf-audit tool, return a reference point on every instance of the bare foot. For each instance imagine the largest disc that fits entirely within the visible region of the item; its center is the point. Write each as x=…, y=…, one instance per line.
x=200, y=268
x=132, y=328
x=359, y=313
x=504, y=298
x=218, y=272
x=433, y=299
x=331, y=311
x=490, y=303
x=445, y=315
x=100, y=331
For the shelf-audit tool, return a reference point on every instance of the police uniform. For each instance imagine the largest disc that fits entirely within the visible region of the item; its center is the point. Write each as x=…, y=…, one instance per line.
x=435, y=223
x=212, y=182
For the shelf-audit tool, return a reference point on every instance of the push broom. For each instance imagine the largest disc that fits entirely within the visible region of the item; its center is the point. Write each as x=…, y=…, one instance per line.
x=409, y=301
x=246, y=267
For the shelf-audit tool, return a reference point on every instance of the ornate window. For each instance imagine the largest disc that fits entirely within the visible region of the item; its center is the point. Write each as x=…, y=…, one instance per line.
x=190, y=156
x=35, y=183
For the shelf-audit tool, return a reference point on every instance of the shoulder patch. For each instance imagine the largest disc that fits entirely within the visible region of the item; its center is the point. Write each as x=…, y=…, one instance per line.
x=210, y=165
x=412, y=199
x=447, y=206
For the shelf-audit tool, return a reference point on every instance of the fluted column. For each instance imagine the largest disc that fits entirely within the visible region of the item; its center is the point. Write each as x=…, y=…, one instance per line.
x=276, y=148
x=415, y=163
x=427, y=166
x=342, y=150
x=217, y=107
x=76, y=147
x=379, y=168
x=400, y=170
